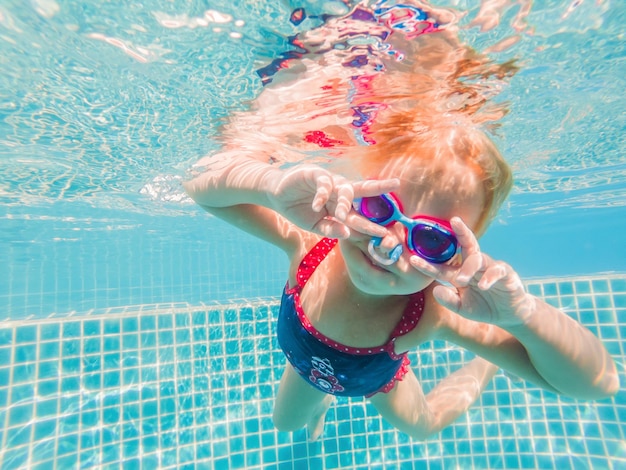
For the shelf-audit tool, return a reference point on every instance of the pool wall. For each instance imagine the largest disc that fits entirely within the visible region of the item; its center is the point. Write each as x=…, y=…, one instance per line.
x=72, y=257
x=180, y=386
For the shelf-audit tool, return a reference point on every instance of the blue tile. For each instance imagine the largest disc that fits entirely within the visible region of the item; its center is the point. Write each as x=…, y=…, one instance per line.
x=183, y=336
x=5, y=356
x=200, y=334
x=165, y=321
x=111, y=343
x=166, y=338
x=45, y=429
x=130, y=341
x=148, y=322
x=199, y=318
x=131, y=449
x=600, y=285
x=26, y=334
x=20, y=414
x=130, y=376
x=47, y=331
x=71, y=348
x=215, y=317
x=24, y=373
x=48, y=387
x=91, y=345
x=90, y=418
x=619, y=301
x=92, y=381
x=148, y=356
x=130, y=325
x=15, y=458
x=582, y=287
x=110, y=454
x=48, y=370
x=24, y=353
x=112, y=326
x=216, y=333
x=148, y=339
x=91, y=327
x=71, y=329
x=111, y=379
x=49, y=350
x=150, y=408
x=69, y=461
x=91, y=364
x=111, y=361
x=6, y=336
x=4, y=398
x=203, y=452
x=182, y=319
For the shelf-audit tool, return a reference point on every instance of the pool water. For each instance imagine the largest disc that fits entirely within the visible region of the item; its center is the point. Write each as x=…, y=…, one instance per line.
x=176, y=386
x=137, y=331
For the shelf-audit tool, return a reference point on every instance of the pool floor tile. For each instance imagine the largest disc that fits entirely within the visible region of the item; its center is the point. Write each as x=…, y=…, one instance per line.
x=174, y=387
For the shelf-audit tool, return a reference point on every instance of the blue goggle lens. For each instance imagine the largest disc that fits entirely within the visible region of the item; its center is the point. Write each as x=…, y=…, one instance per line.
x=433, y=244
x=429, y=241
x=377, y=209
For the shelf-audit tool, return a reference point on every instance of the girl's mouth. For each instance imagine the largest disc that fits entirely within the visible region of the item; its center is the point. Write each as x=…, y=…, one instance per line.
x=386, y=259
x=372, y=262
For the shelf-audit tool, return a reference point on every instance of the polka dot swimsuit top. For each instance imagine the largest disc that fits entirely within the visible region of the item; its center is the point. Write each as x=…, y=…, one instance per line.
x=329, y=365
x=309, y=264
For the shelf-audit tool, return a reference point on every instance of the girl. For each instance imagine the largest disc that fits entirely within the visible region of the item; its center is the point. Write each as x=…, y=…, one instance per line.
x=382, y=246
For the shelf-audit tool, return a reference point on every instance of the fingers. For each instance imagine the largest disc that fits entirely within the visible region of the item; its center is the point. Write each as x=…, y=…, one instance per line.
x=345, y=196
x=323, y=192
x=375, y=187
x=331, y=228
x=448, y=297
x=362, y=225
x=492, y=275
x=471, y=266
x=337, y=194
x=466, y=238
x=347, y=191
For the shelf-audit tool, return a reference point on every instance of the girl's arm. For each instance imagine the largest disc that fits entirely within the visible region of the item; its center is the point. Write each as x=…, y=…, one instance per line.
x=552, y=351
x=280, y=206
x=490, y=314
x=236, y=189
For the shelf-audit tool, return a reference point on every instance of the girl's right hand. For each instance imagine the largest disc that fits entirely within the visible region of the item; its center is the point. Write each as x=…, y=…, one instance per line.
x=321, y=202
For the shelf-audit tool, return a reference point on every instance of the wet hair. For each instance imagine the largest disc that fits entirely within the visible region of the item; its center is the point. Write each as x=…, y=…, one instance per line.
x=440, y=140
x=439, y=108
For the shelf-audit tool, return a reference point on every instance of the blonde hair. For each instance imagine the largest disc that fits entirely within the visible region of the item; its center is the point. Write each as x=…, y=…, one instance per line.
x=441, y=140
x=436, y=110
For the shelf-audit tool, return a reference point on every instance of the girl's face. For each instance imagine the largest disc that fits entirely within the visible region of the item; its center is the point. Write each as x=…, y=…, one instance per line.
x=453, y=190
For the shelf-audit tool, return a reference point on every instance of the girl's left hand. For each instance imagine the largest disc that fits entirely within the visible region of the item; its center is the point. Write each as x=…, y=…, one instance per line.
x=482, y=289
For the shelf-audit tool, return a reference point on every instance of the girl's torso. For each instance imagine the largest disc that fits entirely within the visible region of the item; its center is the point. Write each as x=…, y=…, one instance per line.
x=339, y=311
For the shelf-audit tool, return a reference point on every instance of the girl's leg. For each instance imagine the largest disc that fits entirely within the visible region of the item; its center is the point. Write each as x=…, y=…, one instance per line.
x=299, y=404
x=408, y=409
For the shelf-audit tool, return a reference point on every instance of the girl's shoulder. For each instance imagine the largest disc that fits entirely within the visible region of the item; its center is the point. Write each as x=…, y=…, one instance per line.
x=299, y=248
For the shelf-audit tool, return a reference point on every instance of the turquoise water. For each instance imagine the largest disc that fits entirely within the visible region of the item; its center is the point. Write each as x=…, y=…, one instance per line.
x=135, y=330
x=176, y=386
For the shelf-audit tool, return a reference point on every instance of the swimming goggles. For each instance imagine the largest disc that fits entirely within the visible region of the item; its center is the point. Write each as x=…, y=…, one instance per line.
x=427, y=237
